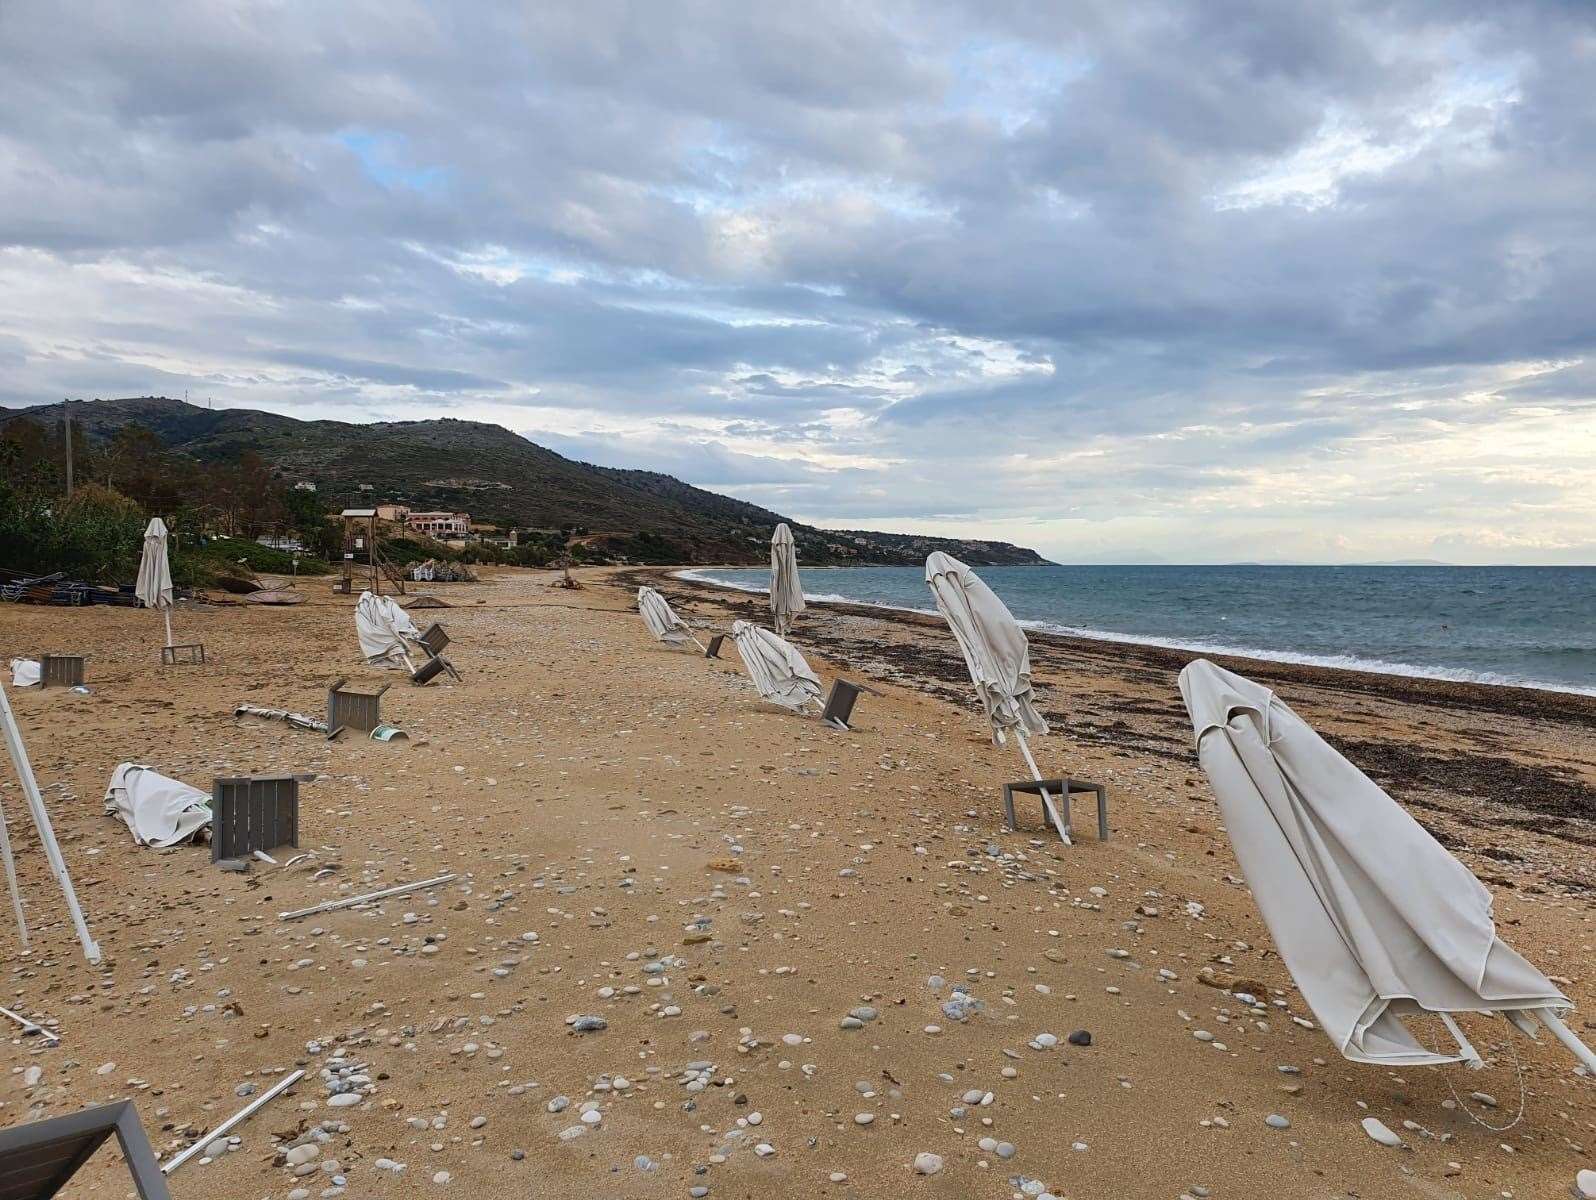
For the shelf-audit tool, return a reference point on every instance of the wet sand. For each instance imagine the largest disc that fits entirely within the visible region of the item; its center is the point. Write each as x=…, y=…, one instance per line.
x=638, y=838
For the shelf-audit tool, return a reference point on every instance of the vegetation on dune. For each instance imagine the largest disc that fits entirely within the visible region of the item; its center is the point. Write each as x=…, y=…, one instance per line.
x=501, y=479
x=213, y=510
x=262, y=560
x=222, y=479
x=95, y=536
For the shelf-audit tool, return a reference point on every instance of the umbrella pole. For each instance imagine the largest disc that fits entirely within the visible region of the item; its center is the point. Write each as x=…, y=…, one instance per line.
x=166, y=612
x=1566, y=1035
x=1047, y=800
x=41, y=822
x=1471, y=1056
x=11, y=881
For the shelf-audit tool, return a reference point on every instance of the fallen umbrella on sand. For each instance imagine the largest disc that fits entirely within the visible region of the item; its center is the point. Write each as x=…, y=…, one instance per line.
x=296, y=719
x=158, y=810
x=777, y=669
x=662, y=620
x=383, y=628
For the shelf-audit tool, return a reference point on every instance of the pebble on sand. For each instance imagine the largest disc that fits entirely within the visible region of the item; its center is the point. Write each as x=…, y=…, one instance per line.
x=1379, y=1131
x=926, y=1163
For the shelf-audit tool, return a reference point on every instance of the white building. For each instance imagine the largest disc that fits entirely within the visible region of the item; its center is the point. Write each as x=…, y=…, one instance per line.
x=441, y=525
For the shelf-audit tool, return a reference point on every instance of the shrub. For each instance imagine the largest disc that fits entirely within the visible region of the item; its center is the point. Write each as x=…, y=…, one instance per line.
x=98, y=535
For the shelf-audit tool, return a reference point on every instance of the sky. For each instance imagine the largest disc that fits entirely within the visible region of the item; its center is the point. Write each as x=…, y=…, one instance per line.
x=1180, y=282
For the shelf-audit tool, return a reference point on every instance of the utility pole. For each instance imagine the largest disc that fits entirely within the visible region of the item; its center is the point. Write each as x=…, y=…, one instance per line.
x=66, y=423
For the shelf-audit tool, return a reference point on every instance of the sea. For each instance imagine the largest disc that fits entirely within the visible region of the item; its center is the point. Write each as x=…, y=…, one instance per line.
x=1523, y=626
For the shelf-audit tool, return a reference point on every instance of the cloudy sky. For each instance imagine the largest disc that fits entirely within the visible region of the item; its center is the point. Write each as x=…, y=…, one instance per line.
x=1124, y=282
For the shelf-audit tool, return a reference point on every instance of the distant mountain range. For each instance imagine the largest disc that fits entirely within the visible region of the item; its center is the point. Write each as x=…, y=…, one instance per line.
x=500, y=477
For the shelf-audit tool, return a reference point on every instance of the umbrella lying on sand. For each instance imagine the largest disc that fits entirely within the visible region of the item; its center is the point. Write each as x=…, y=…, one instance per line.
x=777, y=669
x=154, y=586
x=1374, y=918
x=998, y=658
x=662, y=620
x=383, y=627
x=786, y=592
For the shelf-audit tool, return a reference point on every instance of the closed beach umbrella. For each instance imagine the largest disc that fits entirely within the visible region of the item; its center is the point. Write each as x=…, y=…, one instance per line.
x=777, y=669
x=662, y=620
x=383, y=627
x=1375, y=920
x=786, y=593
x=997, y=655
x=154, y=586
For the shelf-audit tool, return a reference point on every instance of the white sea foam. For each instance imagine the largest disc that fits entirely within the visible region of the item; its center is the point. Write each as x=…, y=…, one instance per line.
x=1336, y=662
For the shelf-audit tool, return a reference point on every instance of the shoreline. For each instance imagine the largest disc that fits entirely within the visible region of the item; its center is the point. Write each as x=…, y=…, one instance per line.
x=1474, y=694
x=1469, y=759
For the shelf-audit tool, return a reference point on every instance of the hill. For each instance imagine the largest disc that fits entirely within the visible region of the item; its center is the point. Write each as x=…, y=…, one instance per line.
x=505, y=479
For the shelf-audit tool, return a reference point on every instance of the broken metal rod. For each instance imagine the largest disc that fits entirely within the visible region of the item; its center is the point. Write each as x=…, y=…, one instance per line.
x=30, y=1026
x=242, y=1115
x=351, y=901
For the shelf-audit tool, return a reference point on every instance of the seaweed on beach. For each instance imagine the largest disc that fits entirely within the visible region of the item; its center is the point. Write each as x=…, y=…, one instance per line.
x=1543, y=788
x=1142, y=714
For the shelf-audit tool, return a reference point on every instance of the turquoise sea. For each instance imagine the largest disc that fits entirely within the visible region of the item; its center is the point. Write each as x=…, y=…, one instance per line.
x=1532, y=626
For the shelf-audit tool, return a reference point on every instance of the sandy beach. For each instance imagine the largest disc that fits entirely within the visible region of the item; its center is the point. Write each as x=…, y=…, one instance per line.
x=767, y=915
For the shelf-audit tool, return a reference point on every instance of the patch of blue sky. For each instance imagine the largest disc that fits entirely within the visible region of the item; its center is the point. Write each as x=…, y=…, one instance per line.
x=1010, y=82
x=731, y=315
x=386, y=158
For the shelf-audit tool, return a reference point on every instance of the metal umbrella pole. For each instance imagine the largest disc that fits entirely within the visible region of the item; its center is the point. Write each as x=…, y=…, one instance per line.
x=1569, y=1038
x=41, y=821
x=1047, y=800
x=11, y=880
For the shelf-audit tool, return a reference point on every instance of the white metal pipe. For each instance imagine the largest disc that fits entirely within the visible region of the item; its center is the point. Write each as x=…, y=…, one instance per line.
x=1470, y=1055
x=1047, y=800
x=351, y=901
x=166, y=611
x=243, y=1114
x=11, y=881
x=30, y=1026
x=1567, y=1036
x=41, y=821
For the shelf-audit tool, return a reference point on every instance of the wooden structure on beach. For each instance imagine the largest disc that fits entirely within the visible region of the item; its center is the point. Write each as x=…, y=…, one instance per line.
x=360, y=542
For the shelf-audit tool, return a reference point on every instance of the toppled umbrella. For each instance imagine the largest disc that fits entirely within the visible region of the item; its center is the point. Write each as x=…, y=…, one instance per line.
x=297, y=720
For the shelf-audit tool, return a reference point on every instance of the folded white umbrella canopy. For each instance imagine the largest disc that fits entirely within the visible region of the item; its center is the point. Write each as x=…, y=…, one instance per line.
x=777, y=669
x=1374, y=919
x=383, y=626
x=662, y=620
x=159, y=810
x=786, y=592
x=154, y=586
x=997, y=655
